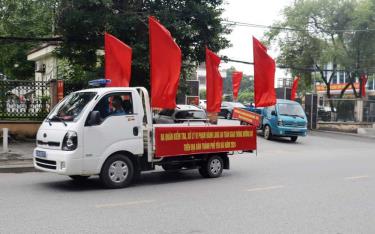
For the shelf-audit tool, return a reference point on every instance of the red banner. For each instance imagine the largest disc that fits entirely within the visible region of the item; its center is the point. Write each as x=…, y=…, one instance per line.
x=60, y=90
x=165, y=65
x=186, y=140
x=363, y=85
x=247, y=116
x=214, y=82
x=236, y=82
x=264, y=76
x=118, y=60
x=293, y=93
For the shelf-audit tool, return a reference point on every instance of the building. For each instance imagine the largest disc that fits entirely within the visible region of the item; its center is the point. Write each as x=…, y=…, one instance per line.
x=339, y=81
x=45, y=62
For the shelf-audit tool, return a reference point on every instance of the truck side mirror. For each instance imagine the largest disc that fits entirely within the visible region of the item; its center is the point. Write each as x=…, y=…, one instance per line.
x=94, y=118
x=273, y=113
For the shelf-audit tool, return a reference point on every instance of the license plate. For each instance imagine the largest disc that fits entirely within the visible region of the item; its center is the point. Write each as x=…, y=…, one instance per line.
x=41, y=154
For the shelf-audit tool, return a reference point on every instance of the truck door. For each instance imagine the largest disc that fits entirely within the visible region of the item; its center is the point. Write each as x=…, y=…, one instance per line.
x=119, y=129
x=271, y=118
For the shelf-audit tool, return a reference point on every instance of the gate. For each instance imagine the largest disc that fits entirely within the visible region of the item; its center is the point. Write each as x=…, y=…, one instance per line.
x=24, y=100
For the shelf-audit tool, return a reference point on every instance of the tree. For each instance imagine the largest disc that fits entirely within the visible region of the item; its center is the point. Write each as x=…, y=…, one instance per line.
x=194, y=25
x=315, y=33
x=23, y=18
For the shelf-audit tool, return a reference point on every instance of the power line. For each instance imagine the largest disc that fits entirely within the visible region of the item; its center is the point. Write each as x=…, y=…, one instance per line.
x=30, y=39
x=302, y=69
x=250, y=25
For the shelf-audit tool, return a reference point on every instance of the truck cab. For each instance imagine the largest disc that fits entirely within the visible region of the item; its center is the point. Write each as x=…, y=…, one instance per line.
x=285, y=119
x=88, y=125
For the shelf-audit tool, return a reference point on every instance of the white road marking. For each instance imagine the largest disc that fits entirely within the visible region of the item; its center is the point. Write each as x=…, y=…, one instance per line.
x=357, y=177
x=132, y=203
x=265, y=188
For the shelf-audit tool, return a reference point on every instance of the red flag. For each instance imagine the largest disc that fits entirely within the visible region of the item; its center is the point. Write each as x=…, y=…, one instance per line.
x=236, y=82
x=264, y=76
x=214, y=82
x=165, y=63
x=364, y=81
x=118, y=60
x=293, y=92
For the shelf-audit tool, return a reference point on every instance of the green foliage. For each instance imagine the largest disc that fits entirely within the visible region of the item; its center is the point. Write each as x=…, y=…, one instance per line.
x=202, y=94
x=246, y=92
x=319, y=37
x=246, y=97
x=193, y=24
x=22, y=18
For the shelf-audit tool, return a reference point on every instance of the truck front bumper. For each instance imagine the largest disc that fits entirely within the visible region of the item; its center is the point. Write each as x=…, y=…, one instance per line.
x=286, y=131
x=57, y=161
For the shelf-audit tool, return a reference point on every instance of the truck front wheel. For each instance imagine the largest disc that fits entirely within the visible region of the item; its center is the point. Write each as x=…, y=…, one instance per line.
x=212, y=168
x=294, y=138
x=117, y=172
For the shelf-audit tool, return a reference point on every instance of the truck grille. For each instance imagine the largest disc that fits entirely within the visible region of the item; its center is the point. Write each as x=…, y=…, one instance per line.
x=291, y=133
x=49, y=164
x=297, y=125
x=49, y=143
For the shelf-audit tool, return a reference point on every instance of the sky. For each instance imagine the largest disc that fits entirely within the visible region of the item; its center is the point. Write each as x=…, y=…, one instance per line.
x=263, y=12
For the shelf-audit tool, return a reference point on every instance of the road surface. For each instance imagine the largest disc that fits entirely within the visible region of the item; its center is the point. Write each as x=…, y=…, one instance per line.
x=324, y=183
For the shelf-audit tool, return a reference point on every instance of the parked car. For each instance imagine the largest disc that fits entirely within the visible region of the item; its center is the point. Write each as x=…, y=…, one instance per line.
x=285, y=119
x=226, y=109
x=183, y=113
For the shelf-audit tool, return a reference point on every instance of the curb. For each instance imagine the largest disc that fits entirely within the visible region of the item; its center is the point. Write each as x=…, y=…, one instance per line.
x=17, y=166
x=345, y=134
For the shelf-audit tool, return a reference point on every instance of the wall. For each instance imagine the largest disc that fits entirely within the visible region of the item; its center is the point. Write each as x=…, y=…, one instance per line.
x=343, y=126
x=21, y=129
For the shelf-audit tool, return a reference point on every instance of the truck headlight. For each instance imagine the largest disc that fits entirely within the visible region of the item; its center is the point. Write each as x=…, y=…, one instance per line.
x=70, y=141
x=280, y=122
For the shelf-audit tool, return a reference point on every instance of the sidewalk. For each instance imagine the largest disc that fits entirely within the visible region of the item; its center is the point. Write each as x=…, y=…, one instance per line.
x=18, y=159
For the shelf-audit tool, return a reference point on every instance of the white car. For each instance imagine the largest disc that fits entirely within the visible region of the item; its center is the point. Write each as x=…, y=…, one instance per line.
x=182, y=113
x=203, y=104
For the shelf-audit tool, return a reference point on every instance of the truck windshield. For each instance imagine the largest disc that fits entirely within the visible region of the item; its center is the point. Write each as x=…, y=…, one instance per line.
x=291, y=110
x=71, y=108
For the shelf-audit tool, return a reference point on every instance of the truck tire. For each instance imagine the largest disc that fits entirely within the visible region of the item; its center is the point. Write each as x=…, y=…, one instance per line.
x=294, y=138
x=117, y=172
x=212, y=168
x=267, y=133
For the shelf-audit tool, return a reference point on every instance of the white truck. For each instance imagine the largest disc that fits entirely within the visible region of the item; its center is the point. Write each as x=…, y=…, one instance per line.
x=109, y=132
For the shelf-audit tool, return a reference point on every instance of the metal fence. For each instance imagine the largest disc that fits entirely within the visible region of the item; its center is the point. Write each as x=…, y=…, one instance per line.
x=346, y=110
x=24, y=100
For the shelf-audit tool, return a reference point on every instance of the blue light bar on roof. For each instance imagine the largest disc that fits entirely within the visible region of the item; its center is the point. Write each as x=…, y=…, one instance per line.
x=99, y=82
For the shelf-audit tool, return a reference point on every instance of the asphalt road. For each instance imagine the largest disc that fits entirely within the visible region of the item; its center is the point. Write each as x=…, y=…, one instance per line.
x=324, y=183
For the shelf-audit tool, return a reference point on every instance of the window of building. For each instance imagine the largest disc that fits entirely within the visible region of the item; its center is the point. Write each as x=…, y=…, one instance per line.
x=342, y=78
x=370, y=84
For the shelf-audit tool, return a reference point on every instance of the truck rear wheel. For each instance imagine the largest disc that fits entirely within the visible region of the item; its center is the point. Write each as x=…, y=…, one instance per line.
x=212, y=168
x=267, y=132
x=117, y=172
